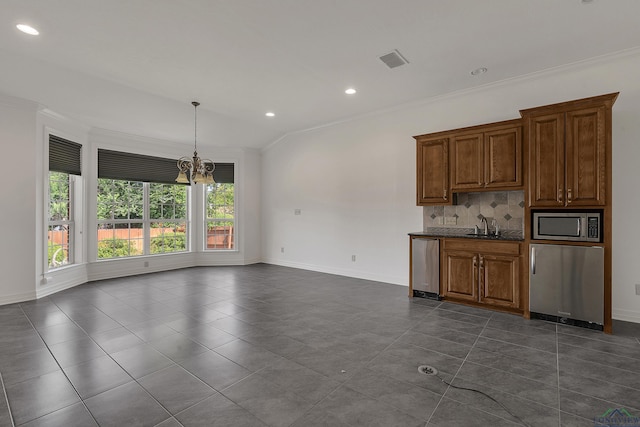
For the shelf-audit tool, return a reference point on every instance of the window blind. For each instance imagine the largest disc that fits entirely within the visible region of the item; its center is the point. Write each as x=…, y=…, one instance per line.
x=139, y=167
x=223, y=173
x=64, y=155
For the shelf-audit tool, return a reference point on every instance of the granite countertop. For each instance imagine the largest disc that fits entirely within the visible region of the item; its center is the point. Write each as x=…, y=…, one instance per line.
x=512, y=235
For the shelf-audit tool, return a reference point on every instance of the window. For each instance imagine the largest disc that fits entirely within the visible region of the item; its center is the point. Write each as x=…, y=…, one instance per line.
x=64, y=170
x=141, y=210
x=61, y=225
x=220, y=216
x=140, y=218
x=120, y=214
x=168, y=213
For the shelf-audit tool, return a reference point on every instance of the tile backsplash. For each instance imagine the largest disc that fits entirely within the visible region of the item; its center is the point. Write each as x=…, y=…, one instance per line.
x=506, y=207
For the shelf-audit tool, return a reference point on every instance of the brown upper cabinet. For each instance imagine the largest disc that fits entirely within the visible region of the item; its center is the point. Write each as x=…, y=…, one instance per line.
x=488, y=158
x=432, y=171
x=568, y=152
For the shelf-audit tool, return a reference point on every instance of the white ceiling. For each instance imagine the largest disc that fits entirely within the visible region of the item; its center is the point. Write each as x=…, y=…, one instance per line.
x=134, y=66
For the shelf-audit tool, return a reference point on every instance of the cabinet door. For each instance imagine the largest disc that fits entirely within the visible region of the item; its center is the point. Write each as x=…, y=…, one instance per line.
x=433, y=172
x=499, y=280
x=503, y=158
x=586, y=163
x=467, y=162
x=546, y=146
x=461, y=277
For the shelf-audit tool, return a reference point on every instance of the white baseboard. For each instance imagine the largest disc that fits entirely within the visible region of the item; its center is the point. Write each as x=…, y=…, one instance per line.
x=626, y=315
x=401, y=281
x=14, y=298
x=49, y=289
x=131, y=267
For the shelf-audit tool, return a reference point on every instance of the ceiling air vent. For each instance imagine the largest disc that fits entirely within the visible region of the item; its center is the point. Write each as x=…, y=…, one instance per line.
x=394, y=59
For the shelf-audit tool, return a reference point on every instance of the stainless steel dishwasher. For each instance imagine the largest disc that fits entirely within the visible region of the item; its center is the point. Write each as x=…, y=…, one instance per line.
x=425, y=270
x=566, y=284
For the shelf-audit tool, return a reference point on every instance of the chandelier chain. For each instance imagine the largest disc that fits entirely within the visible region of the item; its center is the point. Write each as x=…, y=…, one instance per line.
x=195, y=125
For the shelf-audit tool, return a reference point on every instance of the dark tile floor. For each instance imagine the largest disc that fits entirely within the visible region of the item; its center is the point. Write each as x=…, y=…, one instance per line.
x=264, y=345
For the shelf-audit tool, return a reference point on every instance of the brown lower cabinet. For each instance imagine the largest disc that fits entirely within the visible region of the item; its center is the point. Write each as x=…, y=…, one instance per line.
x=482, y=272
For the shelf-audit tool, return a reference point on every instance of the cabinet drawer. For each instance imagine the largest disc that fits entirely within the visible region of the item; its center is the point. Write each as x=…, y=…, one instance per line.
x=483, y=246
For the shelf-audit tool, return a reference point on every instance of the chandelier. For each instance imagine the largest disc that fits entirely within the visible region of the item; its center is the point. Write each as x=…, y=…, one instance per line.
x=200, y=170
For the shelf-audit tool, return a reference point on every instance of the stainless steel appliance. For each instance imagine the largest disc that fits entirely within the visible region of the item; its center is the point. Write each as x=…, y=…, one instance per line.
x=425, y=271
x=567, y=225
x=566, y=284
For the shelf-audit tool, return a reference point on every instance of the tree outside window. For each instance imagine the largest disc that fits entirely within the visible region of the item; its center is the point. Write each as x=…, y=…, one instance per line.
x=136, y=218
x=220, y=216
x=60, y=224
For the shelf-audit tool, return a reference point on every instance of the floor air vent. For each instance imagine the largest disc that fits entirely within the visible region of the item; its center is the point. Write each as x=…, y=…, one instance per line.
x=427, y=370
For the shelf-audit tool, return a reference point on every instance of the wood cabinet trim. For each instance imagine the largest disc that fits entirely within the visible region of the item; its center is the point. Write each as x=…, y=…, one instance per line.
x=607, y=100
x=469, y=129
x=487, y=247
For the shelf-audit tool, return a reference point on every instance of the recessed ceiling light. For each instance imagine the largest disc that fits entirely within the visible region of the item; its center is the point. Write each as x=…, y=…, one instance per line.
x=587, y=1
x=350, y=91
x=269, y=114
x=27, y=29
x=478, y=71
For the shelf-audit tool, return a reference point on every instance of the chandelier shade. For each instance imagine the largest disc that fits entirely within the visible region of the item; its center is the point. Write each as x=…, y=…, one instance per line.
x=194, y=170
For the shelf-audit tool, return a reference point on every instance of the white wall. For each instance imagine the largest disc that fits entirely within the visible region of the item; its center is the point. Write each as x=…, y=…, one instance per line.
x=249, y=207
x=355, y=181
x=18, y=195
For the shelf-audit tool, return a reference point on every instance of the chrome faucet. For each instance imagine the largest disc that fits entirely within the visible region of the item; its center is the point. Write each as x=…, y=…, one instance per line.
x=483, y=220
x=496, y=228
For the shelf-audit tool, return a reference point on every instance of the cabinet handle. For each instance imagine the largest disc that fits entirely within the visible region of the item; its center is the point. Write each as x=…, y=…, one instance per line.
x=475, y=271
x=560, y=194
x=444, y=194
x=533, y=260
x=481, y=278
x=568, y=195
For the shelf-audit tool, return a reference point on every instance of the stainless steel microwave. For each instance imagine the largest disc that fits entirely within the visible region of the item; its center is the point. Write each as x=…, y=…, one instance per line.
x=567, y=225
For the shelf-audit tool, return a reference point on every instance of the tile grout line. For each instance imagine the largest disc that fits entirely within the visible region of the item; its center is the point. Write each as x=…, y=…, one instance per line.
x=59, y=366
x=342, y=384
x=461, y=365
x=6, y=400
x=106, y=353
x=487, y=326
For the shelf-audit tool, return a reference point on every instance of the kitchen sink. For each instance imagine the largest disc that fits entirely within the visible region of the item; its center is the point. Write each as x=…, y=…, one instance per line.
x=483, y=236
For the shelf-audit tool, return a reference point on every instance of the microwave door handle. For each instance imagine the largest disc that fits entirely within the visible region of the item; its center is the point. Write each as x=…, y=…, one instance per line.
x=580, y=223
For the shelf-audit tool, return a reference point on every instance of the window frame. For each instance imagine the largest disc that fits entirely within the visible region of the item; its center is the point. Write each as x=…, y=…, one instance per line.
x=146, y=222
x=70, y=223
x=207, y=220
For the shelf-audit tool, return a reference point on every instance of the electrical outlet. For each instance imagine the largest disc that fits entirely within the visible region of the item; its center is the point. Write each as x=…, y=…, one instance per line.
x=146, y=263
x=353, y=258
x=439, y=220
x=450, y=220
x=297, y=211
x=282, y=249
x=637, y=288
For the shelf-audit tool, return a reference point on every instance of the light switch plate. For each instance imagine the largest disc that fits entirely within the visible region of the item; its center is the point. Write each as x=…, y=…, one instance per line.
x=637, y=288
